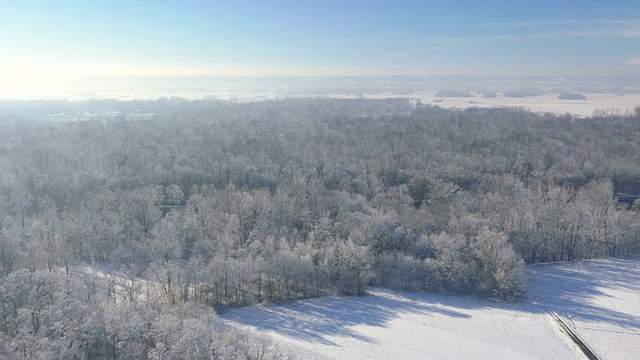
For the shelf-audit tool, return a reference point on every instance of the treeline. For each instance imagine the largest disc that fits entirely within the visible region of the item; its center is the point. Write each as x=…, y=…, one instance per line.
x=231, y=204
x=46, y=315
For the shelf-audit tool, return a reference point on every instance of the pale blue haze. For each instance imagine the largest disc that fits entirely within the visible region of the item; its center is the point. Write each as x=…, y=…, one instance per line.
x=167, y=38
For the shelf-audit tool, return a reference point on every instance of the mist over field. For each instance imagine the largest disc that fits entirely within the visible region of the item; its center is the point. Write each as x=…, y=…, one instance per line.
x=243, y=88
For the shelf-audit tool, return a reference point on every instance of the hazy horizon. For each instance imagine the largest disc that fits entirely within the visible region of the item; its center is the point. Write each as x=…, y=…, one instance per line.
x=67, y=49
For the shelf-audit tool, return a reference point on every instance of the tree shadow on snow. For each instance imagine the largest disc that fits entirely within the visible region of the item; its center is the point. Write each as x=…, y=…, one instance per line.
x=565, y=288
x=315, y=320
x=580, y=290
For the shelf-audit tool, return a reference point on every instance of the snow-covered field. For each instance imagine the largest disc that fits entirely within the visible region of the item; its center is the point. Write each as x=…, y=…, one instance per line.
x=612, y=103
x=599, y=300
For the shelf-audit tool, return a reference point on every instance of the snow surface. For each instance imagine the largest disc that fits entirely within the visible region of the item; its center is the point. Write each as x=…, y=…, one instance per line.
x=543, y=103
x=600, y=300
x=408, y=325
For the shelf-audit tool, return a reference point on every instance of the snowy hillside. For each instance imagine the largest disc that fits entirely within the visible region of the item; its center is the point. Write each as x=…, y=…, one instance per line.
x=597, y=299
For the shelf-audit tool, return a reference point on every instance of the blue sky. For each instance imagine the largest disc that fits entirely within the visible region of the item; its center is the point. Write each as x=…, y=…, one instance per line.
x=300, y=37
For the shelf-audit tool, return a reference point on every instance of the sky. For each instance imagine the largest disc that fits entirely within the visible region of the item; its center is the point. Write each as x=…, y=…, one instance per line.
x=45, y=43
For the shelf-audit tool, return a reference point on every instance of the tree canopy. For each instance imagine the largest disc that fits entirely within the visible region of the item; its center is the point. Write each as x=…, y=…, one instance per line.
x=218, y=203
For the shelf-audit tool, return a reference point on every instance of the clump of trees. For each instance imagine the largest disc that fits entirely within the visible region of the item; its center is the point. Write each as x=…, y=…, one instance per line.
x=571, y=96
x=521, y=93
x=47, y=315
x=225, y=204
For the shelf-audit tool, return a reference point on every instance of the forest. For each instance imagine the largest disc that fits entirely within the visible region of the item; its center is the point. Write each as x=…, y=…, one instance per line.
x=122, y=236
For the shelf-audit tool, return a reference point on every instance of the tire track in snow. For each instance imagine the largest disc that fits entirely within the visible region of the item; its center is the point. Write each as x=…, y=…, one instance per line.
x=566, y=329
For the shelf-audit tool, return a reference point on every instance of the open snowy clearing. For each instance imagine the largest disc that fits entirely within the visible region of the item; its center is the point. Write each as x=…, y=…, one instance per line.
x=547, y=103
x=599, y=300
x=405, y=325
